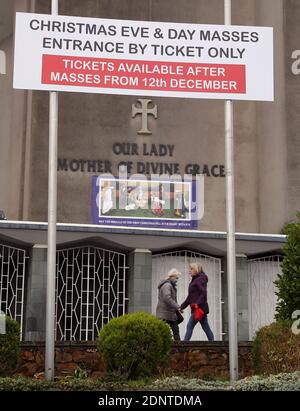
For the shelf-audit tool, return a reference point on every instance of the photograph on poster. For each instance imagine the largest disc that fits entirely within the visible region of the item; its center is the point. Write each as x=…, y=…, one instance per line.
x=143, y=202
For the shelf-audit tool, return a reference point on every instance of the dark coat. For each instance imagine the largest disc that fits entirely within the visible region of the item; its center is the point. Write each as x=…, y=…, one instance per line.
x=167, y=301
x=197, y=292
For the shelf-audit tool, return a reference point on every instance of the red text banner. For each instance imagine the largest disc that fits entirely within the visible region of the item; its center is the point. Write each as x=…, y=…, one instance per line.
x=143, y=75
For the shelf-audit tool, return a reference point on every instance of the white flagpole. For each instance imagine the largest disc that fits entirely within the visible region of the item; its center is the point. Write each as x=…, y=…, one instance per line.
x=230, y=217
x=52, y=209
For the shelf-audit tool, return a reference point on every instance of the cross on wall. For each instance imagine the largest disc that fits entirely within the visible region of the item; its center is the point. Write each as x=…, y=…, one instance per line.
x=145, y=112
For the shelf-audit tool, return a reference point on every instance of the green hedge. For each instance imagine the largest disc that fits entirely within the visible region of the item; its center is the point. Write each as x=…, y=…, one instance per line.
x=178, y=383
x=9, y=347
x=280, y=382
x=288, y=283
x=135, y=345
x=276, y=349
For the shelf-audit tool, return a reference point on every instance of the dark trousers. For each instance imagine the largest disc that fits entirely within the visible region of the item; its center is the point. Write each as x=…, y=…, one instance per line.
x=175, y=329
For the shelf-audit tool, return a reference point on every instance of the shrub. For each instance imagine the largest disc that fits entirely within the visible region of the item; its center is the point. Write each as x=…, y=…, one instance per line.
x=177, y=383
x=288, y=284
x=280, y=382
x=276, y=349
x=80, y=374
x=23, y=384
x=9, y=347
x=135, y=345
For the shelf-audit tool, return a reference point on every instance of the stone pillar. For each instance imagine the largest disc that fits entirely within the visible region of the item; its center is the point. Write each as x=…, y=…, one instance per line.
x=35, y=311
x=242, y=298
x=273, y=184
x=140, y=281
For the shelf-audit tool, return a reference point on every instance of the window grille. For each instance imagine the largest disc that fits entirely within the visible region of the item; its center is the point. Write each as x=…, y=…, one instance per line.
x=12, y=282
x=262, y=272
x=90, y=290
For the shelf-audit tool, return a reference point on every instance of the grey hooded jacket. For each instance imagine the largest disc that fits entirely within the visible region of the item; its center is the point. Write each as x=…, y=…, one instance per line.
x=167, y=301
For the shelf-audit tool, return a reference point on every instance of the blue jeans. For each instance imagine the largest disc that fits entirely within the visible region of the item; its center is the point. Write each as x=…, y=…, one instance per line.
x=204, y=324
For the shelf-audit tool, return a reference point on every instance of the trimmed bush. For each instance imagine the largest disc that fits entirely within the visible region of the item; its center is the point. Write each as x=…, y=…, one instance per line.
x=288, y=284
x=276, y=349
x=135, y=345
x=9, y=347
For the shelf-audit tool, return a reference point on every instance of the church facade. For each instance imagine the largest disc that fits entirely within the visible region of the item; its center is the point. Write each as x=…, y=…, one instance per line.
x=106, y=270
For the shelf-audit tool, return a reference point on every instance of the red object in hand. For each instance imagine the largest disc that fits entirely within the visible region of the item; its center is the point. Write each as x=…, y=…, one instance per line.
x=198, y=312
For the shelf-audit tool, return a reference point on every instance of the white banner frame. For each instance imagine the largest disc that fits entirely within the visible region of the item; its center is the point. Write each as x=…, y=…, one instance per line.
x=203, y=61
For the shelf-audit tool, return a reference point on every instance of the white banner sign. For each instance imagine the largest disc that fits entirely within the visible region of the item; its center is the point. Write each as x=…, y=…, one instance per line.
x=62, y=53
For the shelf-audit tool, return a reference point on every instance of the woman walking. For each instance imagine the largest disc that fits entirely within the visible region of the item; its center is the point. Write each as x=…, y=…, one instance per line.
x=197, y=299
x=167, y=302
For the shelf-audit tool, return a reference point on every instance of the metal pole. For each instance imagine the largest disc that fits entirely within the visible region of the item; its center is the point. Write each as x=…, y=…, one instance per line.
x=230, y=218
x=52, y=208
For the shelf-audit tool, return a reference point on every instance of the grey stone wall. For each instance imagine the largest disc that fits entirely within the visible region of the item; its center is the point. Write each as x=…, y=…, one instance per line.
x=90, y=124
x=267, y=152
x=292, y=81
x=13, y=120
